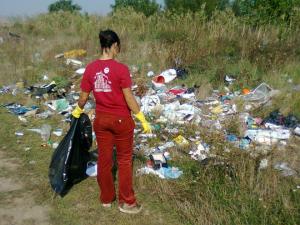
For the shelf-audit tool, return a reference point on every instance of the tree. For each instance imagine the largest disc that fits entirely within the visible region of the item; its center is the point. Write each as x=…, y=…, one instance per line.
x=64, y=5
x=266, y=11
x=148, y=7
x=195, y=5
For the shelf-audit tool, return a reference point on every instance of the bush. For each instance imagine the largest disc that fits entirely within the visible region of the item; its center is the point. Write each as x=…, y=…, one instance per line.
x=147, y=7
x=180, y=6
x=266, y=11
x=64, y=5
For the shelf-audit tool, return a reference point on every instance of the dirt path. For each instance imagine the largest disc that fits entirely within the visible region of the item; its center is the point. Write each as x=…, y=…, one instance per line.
x=17, y=205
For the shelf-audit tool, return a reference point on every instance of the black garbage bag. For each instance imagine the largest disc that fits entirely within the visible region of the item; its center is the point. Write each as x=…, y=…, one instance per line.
x=275, y=117
x=69, y=160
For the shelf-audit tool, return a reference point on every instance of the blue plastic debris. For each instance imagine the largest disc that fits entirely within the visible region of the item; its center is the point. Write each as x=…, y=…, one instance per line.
x=19, y=109
x=170, y=172
x=231, y=138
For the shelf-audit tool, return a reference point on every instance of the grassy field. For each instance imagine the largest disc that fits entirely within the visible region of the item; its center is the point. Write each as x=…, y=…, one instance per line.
x=232, y=192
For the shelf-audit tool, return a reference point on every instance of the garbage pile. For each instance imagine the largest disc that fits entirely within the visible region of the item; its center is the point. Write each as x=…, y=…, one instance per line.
x=170, y=110
x=49, y=98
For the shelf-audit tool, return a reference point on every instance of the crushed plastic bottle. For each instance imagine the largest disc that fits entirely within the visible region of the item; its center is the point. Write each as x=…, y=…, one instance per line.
x=45, y=132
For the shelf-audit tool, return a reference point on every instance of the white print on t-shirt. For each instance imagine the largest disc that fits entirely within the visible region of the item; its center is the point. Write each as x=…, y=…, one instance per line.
x=106, y=70
x=102, y=83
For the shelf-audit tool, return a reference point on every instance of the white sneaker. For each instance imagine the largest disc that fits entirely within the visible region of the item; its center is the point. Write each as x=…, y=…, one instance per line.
x=130, y=209
x=107, y=205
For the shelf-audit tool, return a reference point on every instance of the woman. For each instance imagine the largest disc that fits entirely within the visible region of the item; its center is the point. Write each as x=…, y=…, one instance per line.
x=111, y=85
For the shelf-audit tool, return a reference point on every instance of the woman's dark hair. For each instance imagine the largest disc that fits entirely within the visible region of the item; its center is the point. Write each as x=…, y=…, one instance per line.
x=108, y=38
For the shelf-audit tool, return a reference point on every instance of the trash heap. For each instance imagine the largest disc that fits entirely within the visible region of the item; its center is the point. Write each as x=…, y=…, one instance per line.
x=51, y=98
x=173, y=111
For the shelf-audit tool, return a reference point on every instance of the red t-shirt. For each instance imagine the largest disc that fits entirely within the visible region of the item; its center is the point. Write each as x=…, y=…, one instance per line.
x=107, y=78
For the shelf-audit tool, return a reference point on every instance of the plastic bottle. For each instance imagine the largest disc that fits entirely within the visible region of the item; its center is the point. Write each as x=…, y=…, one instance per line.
x=45, y=132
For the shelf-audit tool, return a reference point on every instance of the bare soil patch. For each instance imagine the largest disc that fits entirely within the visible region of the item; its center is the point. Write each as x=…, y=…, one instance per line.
x=17, y=205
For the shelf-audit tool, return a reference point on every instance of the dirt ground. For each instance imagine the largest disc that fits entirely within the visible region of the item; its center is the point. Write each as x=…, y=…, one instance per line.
x=17, y=205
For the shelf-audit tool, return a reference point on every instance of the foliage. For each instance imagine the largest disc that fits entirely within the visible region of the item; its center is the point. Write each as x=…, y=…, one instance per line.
x=64, y=5
x=196, y=5
x=266, y=11
x=254, y=11
x=147, y=7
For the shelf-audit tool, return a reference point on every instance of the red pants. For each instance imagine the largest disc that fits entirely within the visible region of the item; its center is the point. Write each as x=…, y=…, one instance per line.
x=113, y=130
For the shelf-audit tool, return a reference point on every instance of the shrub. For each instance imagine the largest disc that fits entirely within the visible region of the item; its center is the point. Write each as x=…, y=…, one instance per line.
x=64, y=5
x=147, y=7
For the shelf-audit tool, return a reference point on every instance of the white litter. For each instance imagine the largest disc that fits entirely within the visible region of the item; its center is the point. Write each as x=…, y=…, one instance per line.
x=80, y=71
x=91, y=169
x=74, y=62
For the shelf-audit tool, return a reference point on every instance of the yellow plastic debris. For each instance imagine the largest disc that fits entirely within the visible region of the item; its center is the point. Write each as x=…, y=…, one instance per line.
x=75, y=53
x=20, y=84
x=181, y=141
x=217, y=110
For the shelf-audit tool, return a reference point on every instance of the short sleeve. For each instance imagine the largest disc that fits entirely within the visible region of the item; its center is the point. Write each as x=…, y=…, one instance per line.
x=86, y=84
x=125, y=81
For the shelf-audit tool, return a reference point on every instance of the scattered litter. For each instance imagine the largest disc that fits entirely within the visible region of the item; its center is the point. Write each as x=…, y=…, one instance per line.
x=91, y=169
x=22, y=119
x=147, y=135
x=74, y=62
x=36, y=130
x=158, y=160
x=202, y=152
x=44, y=115
x=59, y=105
x=59, y=55
x=45, y=77
x=166, y=146
x=43, y=89
x=75, y=53
x=297, y=130
x=150, y=74
x=268, y=137
x=149, y=103
x=263, y=164
x=277, y=120
x=168, y=108
x=285, y=169
x=5, y=89
x=55, y=145
x=296, y=88
x=58, y=132
x=261, y=94
x=163, y=173
x=32, y=162
x=229, y=79
x=45, y=132
x=19, y=109
x=181, y=141
x=80, y=71
x=165, y=77
x=134, y=69
x=19, y=133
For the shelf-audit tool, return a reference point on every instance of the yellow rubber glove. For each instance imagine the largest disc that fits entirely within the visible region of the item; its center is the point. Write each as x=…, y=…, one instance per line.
x=146, y=126
x=77, y=112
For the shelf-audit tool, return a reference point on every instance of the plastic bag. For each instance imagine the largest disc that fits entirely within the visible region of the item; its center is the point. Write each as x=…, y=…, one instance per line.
x=261, y=94
x=69, y=160
x=45, y=132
